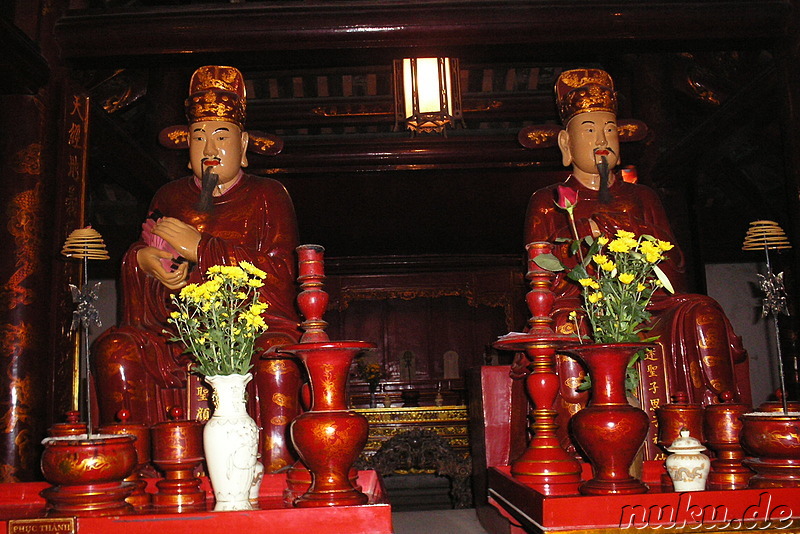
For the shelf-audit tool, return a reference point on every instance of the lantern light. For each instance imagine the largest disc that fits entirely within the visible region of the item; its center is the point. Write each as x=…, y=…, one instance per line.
x=427, y=94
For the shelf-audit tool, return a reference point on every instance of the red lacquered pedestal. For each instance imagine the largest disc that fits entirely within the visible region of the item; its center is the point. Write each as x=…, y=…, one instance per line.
x=22, y=510
x=758, y=510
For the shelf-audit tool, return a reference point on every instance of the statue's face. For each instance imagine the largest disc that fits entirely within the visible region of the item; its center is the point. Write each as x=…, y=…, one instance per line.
x=589, y=136
x=221, y=145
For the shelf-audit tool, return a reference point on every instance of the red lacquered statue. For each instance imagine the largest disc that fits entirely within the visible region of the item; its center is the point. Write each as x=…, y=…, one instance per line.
x=697, y=350
x=216, y=216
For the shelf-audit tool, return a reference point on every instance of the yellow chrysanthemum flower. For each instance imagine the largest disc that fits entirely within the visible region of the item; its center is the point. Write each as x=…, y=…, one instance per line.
x=595, y=297
x=585, y=282
x=220, y=318
x=626, y=278
x=622, y=245
x=603, y=240
x=665, y=245
x=252, y=269
x=609, y=266
x=648, y=247
x=652, y=257
x=257, y=308
x=600, y=259
x=640, y=287
x=188, y=290
x=624, y=234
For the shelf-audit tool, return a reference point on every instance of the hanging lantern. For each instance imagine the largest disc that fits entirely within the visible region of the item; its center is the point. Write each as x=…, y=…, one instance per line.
x=427, y=94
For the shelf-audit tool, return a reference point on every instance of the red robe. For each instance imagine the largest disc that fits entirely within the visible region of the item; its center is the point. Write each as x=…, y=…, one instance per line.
x=135, y=366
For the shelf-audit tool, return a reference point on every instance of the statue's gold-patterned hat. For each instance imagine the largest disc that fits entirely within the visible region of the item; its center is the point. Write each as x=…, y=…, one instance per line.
x=216, y=93
x=583, y=90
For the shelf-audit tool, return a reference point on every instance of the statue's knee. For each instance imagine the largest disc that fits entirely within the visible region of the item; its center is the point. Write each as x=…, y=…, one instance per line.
x=115, y=351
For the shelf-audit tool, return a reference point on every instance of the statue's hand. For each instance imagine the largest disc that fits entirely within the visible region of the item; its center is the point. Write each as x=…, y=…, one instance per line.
x=183, y=237
x=149, y=260
x=609, y=224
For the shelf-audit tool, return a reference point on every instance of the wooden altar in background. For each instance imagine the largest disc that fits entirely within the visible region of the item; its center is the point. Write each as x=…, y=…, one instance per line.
x=417, y=448
x=449, y=422
x=417, y=309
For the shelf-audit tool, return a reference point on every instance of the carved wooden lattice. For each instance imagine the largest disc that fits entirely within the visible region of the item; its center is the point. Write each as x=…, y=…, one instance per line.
x=424, y=451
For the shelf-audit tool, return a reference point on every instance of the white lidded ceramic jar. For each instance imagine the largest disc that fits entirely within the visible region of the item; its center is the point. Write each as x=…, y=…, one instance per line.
x=687, y=466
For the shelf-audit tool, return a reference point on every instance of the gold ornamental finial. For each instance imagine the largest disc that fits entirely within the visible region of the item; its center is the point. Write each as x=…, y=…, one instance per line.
x=85, y=243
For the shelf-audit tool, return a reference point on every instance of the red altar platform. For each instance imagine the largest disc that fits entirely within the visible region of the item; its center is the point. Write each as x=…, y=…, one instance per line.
x=504, y=505
x=22, y=511
x=762, y=510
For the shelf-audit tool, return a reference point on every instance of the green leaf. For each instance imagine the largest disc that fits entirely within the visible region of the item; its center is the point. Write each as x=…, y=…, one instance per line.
x=548, y=262
x=663, y=278
x=585, y=385
x=577, y=273
x=594, y=248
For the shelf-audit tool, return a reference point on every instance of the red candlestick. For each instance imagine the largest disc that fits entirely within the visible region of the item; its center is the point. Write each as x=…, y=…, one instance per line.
x=544, y=465
x=312, y=300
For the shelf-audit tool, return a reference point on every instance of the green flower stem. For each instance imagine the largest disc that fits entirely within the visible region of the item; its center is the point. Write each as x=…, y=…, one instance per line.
x=575, y=232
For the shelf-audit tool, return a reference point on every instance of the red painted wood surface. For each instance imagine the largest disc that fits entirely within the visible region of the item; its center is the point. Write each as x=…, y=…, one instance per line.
x=749, y=509
x=22, y=501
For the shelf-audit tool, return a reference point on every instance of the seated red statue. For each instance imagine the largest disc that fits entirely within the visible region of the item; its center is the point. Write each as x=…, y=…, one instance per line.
x=216, y=216
x=699, y=352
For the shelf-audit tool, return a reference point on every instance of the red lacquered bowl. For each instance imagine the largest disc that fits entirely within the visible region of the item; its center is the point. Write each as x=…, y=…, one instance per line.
x=771, y=435
x=78, y=460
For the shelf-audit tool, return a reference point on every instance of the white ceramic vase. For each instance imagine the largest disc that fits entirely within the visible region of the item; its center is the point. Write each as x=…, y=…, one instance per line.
x=230, y=440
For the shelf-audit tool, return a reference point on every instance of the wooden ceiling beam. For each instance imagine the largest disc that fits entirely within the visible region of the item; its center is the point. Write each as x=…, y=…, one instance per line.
x=516, y=27
x=23, y=69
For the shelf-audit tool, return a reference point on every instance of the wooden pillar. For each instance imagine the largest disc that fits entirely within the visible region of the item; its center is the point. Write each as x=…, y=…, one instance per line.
x=32, y=208
x=26, y=190
x=788, y=61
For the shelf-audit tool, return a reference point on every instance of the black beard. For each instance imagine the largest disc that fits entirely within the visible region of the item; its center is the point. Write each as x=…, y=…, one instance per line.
x=602, y=168
x=210, y=179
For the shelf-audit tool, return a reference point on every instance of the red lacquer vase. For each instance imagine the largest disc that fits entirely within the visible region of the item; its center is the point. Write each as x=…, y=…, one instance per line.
x=609, y=430
x=329, y=437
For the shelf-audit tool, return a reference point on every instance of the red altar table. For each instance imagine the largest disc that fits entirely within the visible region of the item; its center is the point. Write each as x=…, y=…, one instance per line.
x=504, y=505
x=20, y=503
x=762, y=510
